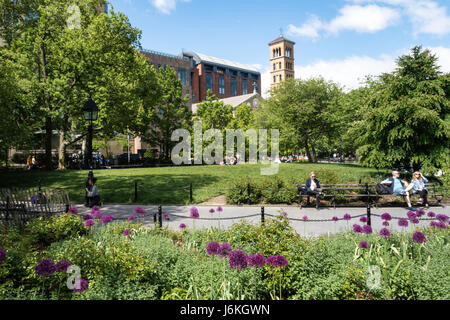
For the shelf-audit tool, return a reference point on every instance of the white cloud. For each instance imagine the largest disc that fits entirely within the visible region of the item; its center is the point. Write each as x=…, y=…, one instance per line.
x=426, y=16
x=166, y=6
x=351, y=71
x=362, y=19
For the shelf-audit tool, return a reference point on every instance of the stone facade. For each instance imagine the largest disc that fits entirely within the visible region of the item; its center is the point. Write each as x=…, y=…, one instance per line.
x=281, y=60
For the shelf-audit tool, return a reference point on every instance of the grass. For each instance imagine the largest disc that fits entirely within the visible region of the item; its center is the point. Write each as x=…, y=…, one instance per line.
x=170, y=185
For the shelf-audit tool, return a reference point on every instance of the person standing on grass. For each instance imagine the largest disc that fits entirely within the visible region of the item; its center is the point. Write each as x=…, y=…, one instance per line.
x=313, y=188
x=87, y=186
x=29, y=163
x=399, y=187
x=418, y=181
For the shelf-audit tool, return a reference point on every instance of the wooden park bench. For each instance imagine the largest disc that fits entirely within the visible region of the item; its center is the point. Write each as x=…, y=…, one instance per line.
x=18, y=206
x=364, y=192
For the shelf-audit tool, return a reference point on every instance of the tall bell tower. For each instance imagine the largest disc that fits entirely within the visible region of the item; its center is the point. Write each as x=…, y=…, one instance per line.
x=281, y=60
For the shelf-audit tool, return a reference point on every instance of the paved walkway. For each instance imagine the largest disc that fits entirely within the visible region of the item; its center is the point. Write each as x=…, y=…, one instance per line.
x=233, y=214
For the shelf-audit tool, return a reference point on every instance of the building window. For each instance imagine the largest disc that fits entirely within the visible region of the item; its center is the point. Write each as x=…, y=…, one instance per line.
x=194, y=97
x=279, y=65
x=255, y=86
x=274, y=66
x=233, y=87
x=281, y=78
x=209, y=84
x=274, y=79
x=244, y=86
x=208, y=67
x=221, y=84
x=182, y=76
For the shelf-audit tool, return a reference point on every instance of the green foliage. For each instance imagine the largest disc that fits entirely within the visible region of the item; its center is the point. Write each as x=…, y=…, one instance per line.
x=243, y=191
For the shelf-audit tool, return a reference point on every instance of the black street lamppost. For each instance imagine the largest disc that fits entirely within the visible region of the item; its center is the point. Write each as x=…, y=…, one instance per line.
x=90, y=111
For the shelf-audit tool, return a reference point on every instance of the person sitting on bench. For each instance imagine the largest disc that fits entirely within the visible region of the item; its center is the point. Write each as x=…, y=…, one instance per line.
x=313, y=188
x=418, y=181
x=399, y=187
x=92, y=193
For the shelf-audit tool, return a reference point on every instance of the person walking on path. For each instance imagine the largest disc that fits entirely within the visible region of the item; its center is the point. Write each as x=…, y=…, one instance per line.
x=29, y=163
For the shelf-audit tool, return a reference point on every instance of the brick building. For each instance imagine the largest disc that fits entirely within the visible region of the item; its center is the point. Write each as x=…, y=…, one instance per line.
x=223, y=77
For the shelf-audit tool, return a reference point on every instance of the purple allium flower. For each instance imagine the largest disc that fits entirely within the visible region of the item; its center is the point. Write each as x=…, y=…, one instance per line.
x=411, y=215
x=81, y=285
x=224, y=250
x=256, y=260
x=126, y=232
x=62, y=265
x=131, y=218
x=139, y=210
x=2, y=255
x=347, y=217
x=107, y=219
x=45, y=268
x=284, y=214
x=219, y=209
x=363, y=245
x=366, y=229
x=419, y=237
x=87, y=216
x=386, y=216
x=433, y=224
x=212, y=210
x=89, y=223
x=97, y=214
x=403, y=222
x=385, y=223
x=440, y=224
x=237, y=259
x=277, y=261
x=335, y=219
x=165, y=216
x=212, y=248
x=431, y=214
x=194, y=213
x=305, y=218
x=72, y=210
x=182, y=226
x=415, y=220
x=357, y=228
x=363, y=219
x=385, y=233
x=442, y=217
x=420, y=212
x=95, y=208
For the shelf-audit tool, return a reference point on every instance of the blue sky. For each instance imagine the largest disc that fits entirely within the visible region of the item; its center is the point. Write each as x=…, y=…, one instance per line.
x=341, y=40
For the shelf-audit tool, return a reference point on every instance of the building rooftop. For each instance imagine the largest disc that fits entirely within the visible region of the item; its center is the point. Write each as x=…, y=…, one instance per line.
x=232, y=101
x=280, y=39
x=203, y=58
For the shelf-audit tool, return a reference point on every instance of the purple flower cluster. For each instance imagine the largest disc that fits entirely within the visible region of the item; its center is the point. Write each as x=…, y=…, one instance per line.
x=256, y=260
x=366, y=229
x=107, y=219
x=45, y=268
x=72, y=210
x=219, y=209
x=335, y=219
x=89, y=223
x=284, y=214
x=140, y=211
x=81, y=285
x=403, y=222
x=237, y=259
x=126, y=232
x=363, y=219
x=131, y=218
x=194, y=213
x=420, y=212
x=385, y=223
x=2, y=255
x=213, y=248
x=165, y=217
x=87, y=216
x=277, y=261
x=212, y=210
x=431, y=214
x=347, y=217
x=386, y=216
x=62, y=265
x=305, y=218
x=182, y=226
x=385, y=233
x=357, y=228
x=442, y=217
x=97, y=214
x=224, y=250
x=419, y=237
x=411, y=215
x=363, y=245
x=440, y=224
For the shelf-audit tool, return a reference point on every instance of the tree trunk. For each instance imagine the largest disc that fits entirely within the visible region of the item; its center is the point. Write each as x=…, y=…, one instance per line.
x=61, y=151
x=48, y=143
x=308, y=152
x=313, y=154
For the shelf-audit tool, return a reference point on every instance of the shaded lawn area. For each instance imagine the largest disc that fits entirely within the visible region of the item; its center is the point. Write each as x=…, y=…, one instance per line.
x=170, y=185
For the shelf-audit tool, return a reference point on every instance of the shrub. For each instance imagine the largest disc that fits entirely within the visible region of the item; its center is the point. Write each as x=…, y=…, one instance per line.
x=239, y=192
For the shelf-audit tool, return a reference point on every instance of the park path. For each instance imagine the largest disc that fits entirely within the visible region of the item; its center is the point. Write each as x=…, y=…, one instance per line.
x=232, y=214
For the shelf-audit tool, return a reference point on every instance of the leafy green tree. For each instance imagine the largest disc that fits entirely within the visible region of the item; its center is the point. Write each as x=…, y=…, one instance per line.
x=243, y=117
x=171, y=112
x=66, y=65
x=406, y=116
x=305, y=112
x=213, y=113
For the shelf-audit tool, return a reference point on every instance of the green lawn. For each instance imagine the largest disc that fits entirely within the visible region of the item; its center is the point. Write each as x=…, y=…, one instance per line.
x=170, y=185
